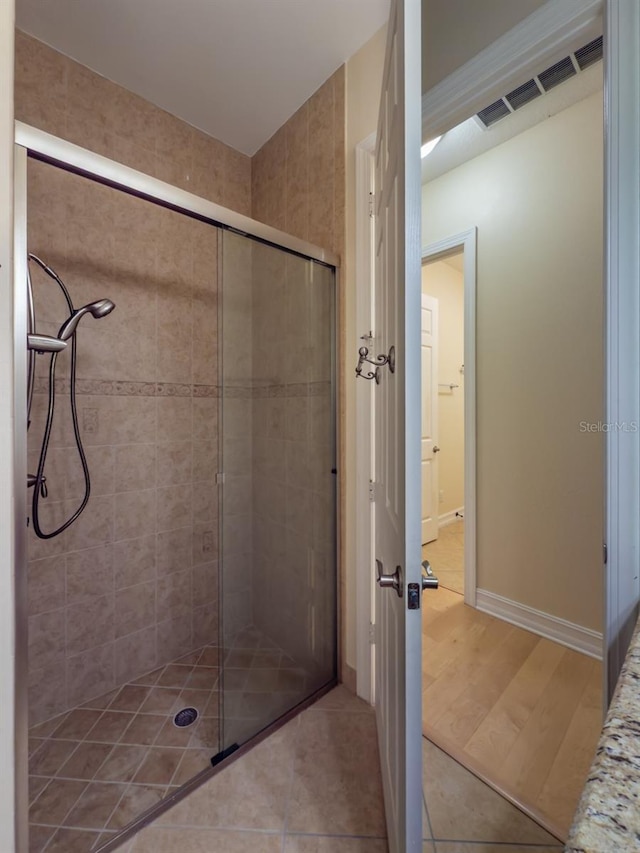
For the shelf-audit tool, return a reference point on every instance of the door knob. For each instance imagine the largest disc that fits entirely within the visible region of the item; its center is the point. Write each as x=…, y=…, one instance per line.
x=436, y=449
x=429, y=580
x=394, y=580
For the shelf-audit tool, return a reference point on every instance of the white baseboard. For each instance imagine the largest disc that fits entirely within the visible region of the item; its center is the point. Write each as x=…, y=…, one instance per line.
x=559, y=630
x=450, y=517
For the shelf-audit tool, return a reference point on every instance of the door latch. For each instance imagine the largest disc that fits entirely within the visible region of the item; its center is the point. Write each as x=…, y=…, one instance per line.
x=429, y=580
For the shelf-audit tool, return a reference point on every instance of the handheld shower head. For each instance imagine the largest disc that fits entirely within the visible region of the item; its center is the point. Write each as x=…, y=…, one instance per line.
x=97, y=309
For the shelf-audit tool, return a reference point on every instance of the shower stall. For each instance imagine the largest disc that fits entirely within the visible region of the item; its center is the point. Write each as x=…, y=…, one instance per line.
x=191, y=603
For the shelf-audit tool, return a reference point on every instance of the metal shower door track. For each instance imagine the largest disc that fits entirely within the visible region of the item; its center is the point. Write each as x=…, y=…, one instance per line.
x=58, y=152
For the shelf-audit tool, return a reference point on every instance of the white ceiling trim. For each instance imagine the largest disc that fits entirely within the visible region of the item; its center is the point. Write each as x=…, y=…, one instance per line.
x=551, y=32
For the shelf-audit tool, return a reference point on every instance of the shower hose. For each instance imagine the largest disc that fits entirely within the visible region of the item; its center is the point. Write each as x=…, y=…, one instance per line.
x=39, y=485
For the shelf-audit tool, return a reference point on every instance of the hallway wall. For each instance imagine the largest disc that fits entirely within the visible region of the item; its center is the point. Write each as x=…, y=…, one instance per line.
x=537, y=203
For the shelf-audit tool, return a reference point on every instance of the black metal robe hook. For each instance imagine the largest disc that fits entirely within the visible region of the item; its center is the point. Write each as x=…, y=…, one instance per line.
x=378, y=362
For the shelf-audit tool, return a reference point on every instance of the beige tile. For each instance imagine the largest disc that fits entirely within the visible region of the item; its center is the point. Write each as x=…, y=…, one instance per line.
x=135, y=800
x=89, y=573
x=174, y=596
x=158, y=766
x=39, y=835
x=135, y=467
x=161, y=700
x=135, y=653
x=110, y=727
x=205, y=624
x=174, y=637
x=329, y=844
x=134, y=560
x=55, y=801
x=175, y=507
x=101, y=461
x=48, y=759
x=103, y=701
x=165, y=840
x=135, y=608
x=90, y=673
x=337, y=785
x=207, y=733
x=77, y=724
x=95, y=806
x=135, y=513
x=462, y=807
x=174, y=462
x=193, y=761
x=143, y=729
x=175, y=675
x=73, y=841
x=203, y=679
x=175, y=333
x=46, y=584
x=205, y=538
x=174, y=418
x=205, y=583
x=85, y=761
x=174, y=550
x=205, y=418
x=121, y=764
x=46, y=638
x=250, y=793
x=90, y=624
x=95, y=525
x=205, y=460
x=129, y=698
x=37, y=784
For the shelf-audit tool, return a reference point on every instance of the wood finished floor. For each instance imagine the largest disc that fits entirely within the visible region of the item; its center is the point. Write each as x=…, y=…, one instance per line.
x=521, y=712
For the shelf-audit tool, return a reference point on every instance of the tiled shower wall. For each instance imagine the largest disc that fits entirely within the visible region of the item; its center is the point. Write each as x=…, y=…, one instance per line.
x=132, y=584
x=134, y=581
x=56, y=94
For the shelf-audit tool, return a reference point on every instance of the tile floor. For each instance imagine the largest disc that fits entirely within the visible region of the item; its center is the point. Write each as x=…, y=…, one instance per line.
x=446, y=555
x=314, y=787
x=96, y=768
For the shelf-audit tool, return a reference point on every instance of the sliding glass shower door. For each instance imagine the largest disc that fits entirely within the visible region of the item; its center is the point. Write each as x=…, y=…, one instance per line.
x=278, y=501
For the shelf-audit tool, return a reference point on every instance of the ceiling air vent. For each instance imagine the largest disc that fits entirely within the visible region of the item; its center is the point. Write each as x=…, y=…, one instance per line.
x=541, y=83
x=523, y=94
x=589, y=54
x=494, y=112
x=557, y=73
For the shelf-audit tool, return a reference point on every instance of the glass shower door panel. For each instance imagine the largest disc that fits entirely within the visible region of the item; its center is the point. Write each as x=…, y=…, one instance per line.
x=278, y=507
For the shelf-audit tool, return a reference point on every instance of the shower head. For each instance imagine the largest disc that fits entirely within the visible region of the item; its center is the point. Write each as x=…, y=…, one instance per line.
x=97, y=309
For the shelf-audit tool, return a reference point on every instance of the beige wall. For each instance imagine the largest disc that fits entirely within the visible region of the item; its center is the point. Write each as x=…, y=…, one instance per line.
x=454, y=31
x=298, y=174
x=7, y=525
x=446, y=284
x=363, y=81
x=537, y=203
x=61, y=96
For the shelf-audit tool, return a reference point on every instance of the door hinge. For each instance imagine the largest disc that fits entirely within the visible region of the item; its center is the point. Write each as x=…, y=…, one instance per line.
x=605, y=553
x=372, y=205
x=372, y=634
x=372, y=491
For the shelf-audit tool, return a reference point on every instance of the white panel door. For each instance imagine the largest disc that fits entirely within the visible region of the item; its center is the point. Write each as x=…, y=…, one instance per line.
x=397, y=431
x=430, y=449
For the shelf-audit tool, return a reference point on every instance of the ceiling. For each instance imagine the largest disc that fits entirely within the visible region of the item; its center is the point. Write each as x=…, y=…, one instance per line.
x=236, y=69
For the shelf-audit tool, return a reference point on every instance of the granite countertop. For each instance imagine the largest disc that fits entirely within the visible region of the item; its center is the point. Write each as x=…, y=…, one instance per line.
x=607, y=819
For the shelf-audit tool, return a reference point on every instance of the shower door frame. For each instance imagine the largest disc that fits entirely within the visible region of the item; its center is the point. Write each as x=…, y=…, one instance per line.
x=37, y=144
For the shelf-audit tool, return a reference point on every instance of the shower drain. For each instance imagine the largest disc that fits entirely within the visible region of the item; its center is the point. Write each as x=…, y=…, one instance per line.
x=185, y=718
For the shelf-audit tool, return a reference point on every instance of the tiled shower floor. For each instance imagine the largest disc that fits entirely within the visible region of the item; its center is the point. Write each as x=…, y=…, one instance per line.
x=96, y=768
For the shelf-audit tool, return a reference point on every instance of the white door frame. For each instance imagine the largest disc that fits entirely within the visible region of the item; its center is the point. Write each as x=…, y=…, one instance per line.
x=546, y=36
x=466, y=241
x=365, y=507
